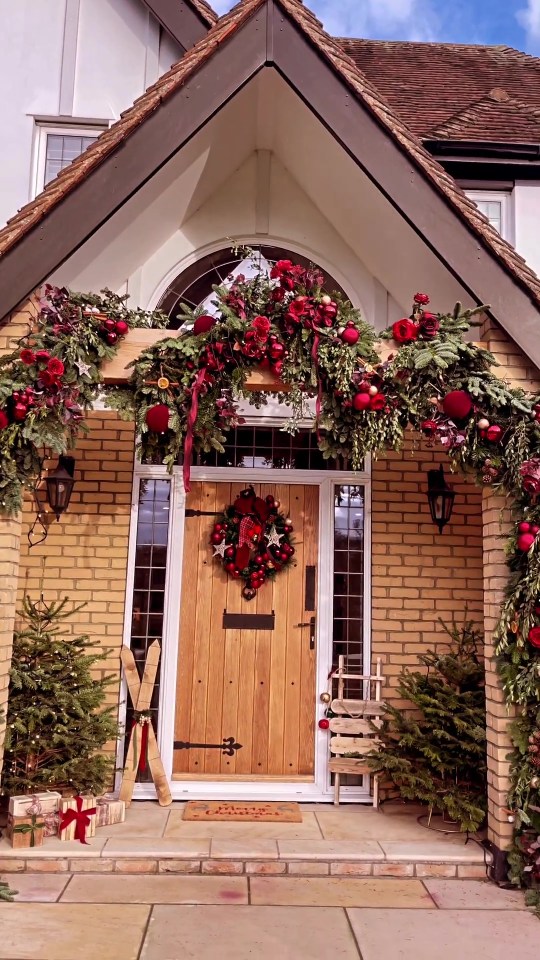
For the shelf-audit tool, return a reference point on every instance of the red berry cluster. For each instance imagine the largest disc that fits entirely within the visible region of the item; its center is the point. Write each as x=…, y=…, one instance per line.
x=46, y=373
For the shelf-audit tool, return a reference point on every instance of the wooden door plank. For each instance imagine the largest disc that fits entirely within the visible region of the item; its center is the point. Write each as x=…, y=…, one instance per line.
x=186, y=641
x=310, y=534
x=261, y=692
x=214, y=703
x=231, y=674
x=203, y=631
x=276, y=720
x=297, y=637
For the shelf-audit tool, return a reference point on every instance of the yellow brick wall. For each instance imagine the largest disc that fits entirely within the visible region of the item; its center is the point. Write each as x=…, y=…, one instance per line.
x=418, y=574
x=85, y=555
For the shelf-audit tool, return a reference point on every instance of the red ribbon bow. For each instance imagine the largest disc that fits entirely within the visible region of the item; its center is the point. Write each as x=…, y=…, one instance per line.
x=81, y=818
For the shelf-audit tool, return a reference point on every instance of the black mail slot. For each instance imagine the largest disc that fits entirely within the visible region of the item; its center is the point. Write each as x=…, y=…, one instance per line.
x=248, y=621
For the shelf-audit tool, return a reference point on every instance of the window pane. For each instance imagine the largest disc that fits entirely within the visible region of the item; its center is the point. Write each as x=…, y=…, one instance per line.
x=492, y=210
x=149, y=586
x=348, y=584
x=61, y=150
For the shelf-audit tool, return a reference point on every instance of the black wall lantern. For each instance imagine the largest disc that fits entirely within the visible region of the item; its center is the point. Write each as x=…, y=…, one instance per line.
x=440, y=498
x=60, y=485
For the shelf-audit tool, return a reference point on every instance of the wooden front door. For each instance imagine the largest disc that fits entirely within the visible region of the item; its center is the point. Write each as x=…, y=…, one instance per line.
x=257, y=686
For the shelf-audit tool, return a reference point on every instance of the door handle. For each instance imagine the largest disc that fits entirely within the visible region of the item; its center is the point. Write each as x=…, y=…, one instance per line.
x=312, y=624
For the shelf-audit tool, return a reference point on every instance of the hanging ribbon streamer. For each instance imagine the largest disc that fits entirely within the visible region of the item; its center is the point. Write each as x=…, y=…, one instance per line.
x=192, y=416
x=318, y=402
x=80, y=817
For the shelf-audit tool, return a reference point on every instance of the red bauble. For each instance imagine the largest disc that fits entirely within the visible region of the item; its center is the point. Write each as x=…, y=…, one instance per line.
x=109, y=323
x=19, y=411
x=111, y=337
x=4, y=420
x=524, y=527
x=203, y=324
x=121, y=328
x=361, y=401
x=216, y=537
x=283, y=556
x=157, y=418
x=534, y=637
x=229, y=553
x=494, y=433
x=324, y=724
x=277, y=351
x=230, y=567
x=535, y=529
x=350, y=336
x=457, y=404
x=525, y=541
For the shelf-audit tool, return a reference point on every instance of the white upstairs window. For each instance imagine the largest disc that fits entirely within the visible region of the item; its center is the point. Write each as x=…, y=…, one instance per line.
x=496, y=205
x=56, y=147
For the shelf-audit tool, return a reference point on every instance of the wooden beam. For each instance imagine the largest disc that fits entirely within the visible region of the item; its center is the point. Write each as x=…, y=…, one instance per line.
x=116, y=371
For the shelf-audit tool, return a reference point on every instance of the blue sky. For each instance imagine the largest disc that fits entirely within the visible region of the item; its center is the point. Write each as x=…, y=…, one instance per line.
x=512, y=22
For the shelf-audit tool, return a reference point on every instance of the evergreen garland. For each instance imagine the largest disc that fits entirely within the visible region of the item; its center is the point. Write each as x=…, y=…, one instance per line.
x=435, y=381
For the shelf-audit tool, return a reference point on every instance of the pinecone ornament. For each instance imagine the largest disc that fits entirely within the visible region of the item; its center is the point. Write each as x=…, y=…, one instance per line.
x=534, y=749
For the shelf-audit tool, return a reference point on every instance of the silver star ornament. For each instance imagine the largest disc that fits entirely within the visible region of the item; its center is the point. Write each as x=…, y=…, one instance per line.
x=82, y=367
x=274, y=538
x=219, y=550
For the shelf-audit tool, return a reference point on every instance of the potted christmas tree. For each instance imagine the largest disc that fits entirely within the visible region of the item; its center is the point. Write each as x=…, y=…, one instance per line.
x=435, y=751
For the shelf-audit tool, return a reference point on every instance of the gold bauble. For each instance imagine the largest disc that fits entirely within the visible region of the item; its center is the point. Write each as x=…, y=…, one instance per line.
x=325, y=698
x=163, y=383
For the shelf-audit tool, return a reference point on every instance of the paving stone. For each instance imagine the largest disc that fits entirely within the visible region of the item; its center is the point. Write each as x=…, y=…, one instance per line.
x=471, y=871
x=308, y=868
x=156, y=889
x=158, y=847
x=69, y=931
x=179, y=866
x=356, y=869
x=136, y=866
x=12, y=866
x=330, y=850
x=244, y=849
x=435, y=870
x=437, y=851
x=474, y=895
x=445, y=934
x=222, y=866
x=245, y=933
x=91, y=866
x=393, y=869
x=47, y=866
x=145, y=819
x=270, y=867
x=339, y=892
x=33, y=887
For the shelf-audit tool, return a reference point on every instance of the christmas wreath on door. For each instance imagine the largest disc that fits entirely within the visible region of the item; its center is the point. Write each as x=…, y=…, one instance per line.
x=252, y=540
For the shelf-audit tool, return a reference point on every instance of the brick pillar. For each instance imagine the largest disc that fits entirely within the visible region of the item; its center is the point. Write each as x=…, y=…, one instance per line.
x=496, y=522
x=10, y=536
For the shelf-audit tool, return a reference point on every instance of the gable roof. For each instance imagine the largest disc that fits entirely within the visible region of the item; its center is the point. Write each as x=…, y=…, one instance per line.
x=429, y=83
x=285, y=34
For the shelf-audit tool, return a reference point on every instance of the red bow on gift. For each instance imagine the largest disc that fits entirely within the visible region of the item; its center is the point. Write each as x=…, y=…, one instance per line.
x=81, y=818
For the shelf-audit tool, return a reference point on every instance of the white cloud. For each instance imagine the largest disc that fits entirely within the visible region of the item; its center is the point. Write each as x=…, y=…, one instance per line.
x=529, y=19
x=384, y=19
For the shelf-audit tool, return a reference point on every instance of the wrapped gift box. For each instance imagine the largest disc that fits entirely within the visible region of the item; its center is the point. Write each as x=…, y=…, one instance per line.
x=25, y=831
x=110, y=811
x=88, y=803
x=49, y=802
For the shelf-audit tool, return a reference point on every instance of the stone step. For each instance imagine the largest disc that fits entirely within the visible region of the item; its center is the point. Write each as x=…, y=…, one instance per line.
x=306, y=858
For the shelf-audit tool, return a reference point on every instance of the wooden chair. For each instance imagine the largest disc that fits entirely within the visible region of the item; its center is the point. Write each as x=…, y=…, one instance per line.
x=351, y=730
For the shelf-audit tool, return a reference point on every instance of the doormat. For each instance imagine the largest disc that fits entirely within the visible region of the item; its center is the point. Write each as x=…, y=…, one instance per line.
x=237, y=810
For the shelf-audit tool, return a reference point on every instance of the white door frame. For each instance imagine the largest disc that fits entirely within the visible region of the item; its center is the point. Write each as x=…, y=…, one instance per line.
x=319, y=789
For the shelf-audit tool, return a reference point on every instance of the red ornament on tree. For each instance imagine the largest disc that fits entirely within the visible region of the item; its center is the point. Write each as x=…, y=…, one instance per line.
x=534, y=637
x=157, y=418
x=361, y=401
x=19, y=411
x=203, y=324
x=350, y=336
x=457, y=404
x=121, y=328
x=324, y=724
x=525, y=541
x=4, y=420
x=494, y=433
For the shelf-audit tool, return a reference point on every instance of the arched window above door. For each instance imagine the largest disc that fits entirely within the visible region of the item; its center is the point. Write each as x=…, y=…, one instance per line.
x=195, y=284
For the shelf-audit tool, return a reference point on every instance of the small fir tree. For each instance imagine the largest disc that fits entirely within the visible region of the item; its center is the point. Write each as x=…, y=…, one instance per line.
x=56, y=723
x=436, y=752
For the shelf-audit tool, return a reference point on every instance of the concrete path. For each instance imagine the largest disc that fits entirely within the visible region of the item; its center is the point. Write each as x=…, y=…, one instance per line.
x=142, y=917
